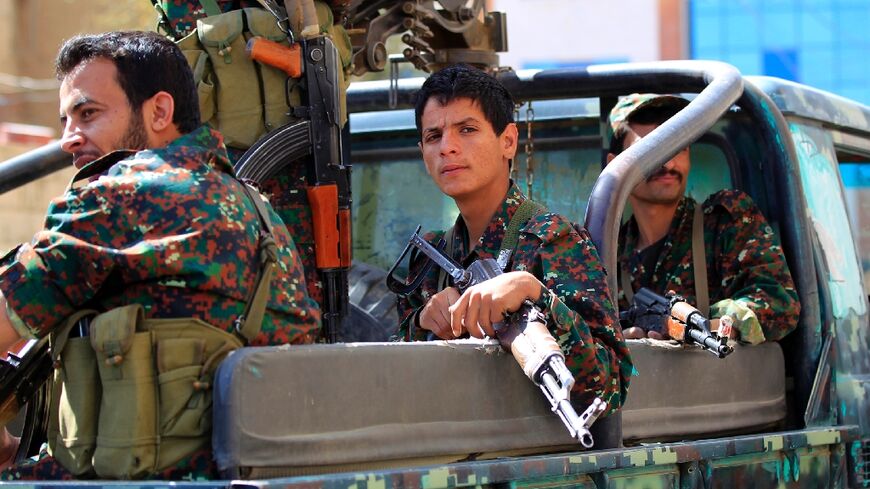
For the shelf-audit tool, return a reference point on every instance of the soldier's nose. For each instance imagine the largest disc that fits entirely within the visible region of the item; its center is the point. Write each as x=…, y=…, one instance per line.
x=71, y=141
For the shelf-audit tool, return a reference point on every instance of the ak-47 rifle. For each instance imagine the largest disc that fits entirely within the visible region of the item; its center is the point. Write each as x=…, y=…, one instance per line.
x=676, y=317
x=523, y=333
x=23, y=376
x=318, y=133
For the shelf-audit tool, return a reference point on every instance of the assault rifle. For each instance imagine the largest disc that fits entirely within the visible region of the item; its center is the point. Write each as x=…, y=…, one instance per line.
x=318, y=133
x=676, y=317
x=532, y=346
x=23, y=376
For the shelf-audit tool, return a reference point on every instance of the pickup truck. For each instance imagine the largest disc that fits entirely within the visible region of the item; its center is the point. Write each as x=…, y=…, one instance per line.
x=376, y=414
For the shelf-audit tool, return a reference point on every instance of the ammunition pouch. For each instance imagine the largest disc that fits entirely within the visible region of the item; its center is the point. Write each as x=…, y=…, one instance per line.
x=242, y=98
x=135, y=397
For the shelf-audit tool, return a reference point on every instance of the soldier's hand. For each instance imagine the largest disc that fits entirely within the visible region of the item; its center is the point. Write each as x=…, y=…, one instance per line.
x=487, y=303
x=633, y=333
x=655, y=335
x=724, y=327
x=435, y=315
x=8, y=448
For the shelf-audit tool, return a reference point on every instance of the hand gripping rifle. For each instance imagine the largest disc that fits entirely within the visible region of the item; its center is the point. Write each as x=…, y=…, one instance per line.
x=23, y=376
x=679, y=319
x=524, y=333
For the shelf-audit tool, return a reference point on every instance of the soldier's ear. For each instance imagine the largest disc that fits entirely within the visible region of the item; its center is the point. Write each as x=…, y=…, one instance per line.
x=508, y=140
x=159, y=111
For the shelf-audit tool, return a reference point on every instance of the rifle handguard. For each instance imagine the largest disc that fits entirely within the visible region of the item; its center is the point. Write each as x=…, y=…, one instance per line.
x=533, y=346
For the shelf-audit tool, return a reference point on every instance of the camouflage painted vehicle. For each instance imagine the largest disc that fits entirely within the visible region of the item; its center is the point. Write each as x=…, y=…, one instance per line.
x=802, y=154
x=792, y=414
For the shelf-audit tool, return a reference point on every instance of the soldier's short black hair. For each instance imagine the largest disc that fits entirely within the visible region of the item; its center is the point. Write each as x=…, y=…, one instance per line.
x=464, y=81
x=147, y=63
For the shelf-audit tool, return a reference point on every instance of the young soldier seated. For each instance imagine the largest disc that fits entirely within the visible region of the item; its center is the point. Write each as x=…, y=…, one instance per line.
x=468, y=139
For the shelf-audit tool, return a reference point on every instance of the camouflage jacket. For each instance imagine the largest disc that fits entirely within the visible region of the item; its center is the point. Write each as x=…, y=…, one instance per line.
x=563, y=258
x=748, y=277
x=168, y=228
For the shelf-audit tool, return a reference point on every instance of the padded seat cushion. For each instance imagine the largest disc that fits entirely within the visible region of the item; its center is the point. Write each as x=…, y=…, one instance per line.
x=324, y=408
x=687, y=393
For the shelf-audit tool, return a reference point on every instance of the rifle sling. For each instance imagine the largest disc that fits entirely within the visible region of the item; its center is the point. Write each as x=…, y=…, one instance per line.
x=527, y=210
x=699, y=259
x=249, y=324
x=699, y=266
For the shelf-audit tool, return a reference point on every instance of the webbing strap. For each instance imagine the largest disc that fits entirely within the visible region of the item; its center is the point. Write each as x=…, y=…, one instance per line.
x=699, y=262
x=448, y=239
x=251, y=321
x=525, y=212
x=625, y=283
x=699, y=267
x=210, y=7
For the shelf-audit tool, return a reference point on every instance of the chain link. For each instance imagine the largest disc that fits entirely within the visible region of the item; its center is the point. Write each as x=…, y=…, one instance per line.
x=530, y=150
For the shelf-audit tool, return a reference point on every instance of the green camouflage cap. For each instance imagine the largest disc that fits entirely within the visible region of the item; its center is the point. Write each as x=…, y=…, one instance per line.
x=632, y=103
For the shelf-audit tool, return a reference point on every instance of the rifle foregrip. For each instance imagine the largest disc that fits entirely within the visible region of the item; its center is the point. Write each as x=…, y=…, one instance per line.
x=324, y=209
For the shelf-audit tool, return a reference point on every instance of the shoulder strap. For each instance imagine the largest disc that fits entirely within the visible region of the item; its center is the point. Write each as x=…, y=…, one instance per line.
x=249, y=323
x=526, y=211
x=699, y=266
x=210, y=7
x=699, y=261
x=625, y=283
x=448, y=240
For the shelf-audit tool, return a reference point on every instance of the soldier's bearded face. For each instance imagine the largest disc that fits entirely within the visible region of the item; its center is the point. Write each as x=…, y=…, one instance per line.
x=463, y=154
x=96, y=114
x=668, y=184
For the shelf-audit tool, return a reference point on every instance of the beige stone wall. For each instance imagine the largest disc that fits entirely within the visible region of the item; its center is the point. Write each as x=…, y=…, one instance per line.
x=30, y=33
x=22, y=211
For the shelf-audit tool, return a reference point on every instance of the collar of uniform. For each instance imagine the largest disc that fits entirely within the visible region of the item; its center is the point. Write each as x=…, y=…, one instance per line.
x=204, y=137
x=203, y=145
x=102, y=164
x=490, y=242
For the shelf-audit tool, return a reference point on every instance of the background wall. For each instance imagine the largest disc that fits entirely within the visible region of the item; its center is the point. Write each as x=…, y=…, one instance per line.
x=30, y=33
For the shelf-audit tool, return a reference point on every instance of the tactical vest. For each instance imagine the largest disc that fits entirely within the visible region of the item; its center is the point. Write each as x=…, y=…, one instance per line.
x=132, y=396
x=242, y=98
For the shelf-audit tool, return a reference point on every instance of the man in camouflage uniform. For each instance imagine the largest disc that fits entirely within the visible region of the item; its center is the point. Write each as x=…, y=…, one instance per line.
x=286, y=191
x=748, y=277
x=162, y=221
x=468, y=138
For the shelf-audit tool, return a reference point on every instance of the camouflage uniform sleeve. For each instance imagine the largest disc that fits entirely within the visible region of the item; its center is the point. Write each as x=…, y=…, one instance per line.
x=410, y=305
x=70, y=259
x=756, y=281
x=582, y=316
